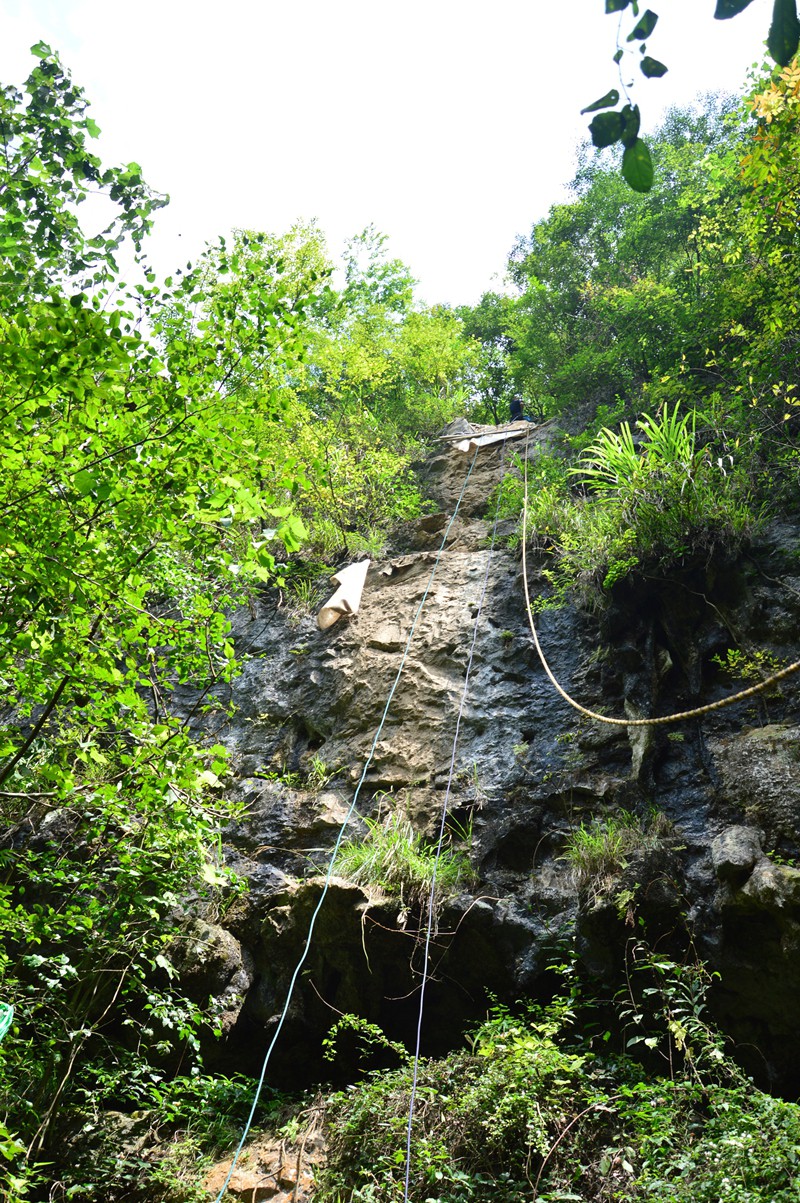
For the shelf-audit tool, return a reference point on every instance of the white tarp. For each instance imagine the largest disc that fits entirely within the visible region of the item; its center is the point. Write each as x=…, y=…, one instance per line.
x=476, y=441
x=347, y=597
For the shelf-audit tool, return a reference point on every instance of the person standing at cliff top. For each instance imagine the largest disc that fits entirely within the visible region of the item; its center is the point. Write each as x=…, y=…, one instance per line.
x=517, y=414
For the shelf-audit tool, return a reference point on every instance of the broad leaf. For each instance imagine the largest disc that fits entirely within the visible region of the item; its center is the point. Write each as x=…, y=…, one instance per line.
x=642, y=29
x=606, y=129
x=616, y=6
x=652, y=68
x=784, y=32
x=730, y=8
x=631, y=120
x=637, y=167
x=84, y=482
x=605, y=102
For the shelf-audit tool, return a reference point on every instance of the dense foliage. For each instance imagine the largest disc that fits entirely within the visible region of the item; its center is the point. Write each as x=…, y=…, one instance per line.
x=535, y=1109
x=675, y=315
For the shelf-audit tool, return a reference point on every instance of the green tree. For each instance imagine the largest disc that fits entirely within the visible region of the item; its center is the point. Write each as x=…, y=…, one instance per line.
x=133, y=513
x=616, y=288
x=46, y=172
x=489, y=324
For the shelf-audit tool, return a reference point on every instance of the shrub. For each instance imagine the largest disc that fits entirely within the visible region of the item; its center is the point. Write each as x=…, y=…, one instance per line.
x=527, y=1114
x=483, y=1119
x=647, y=503
x=549, y=501
x=655, y=504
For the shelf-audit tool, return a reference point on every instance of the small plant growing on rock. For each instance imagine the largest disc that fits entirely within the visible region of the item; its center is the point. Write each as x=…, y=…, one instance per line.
x=748, y=666
x=395, y=859
x=600, y=852
x=318, y=773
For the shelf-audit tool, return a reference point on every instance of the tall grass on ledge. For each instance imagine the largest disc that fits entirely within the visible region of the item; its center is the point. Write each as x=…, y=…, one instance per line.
x=396, y=860
x=600, y=852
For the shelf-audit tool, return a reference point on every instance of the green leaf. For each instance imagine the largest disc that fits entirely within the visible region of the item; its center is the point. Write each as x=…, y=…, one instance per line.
x=84, y=482
x=606, y=129
x=642, y=29
x=41, y=50
x=637, y=167
x=618, y=56
x=616, y=6
x=631, y=120
x=213, y=876
x=605, y=102
x=784, y=32
x=652, y=68
x=730, y=8
x=92, y=128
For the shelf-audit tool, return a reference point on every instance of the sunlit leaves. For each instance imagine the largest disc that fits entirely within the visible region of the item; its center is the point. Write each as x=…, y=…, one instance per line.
x=46, y=170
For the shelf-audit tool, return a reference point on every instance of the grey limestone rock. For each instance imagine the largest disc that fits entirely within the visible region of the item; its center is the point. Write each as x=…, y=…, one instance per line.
x=735, y=852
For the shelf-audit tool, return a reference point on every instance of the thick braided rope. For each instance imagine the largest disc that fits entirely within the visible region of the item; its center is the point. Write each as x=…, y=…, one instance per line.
x=628, y=722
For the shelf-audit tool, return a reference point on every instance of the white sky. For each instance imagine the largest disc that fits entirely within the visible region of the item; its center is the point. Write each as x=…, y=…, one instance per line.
x=450, y=124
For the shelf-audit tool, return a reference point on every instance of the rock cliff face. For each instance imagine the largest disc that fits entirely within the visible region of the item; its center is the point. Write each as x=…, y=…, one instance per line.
x=721, y=881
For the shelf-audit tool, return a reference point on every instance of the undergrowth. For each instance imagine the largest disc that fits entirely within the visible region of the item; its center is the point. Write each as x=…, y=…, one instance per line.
x=532, y=1110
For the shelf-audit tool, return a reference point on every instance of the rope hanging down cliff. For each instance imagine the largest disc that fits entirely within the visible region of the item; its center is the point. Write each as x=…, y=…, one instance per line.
x=339, y=838
x=627, y=722
x=442, y=823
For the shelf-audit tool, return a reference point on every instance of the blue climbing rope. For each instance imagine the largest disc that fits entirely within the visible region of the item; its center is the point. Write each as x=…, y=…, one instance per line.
x=432, y=894
x=340, y=837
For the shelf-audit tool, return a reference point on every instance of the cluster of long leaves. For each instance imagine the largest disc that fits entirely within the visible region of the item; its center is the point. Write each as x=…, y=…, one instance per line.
x=657, y=499
x=666, y=500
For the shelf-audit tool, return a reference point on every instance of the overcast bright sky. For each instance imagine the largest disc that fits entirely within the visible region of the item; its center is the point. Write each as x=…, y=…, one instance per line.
x=450, y=124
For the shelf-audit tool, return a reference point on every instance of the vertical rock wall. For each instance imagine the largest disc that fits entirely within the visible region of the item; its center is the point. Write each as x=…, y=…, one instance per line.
x=528, y=771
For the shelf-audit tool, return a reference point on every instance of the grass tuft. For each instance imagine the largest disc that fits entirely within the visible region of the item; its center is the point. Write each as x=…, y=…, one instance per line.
x=396, y=860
